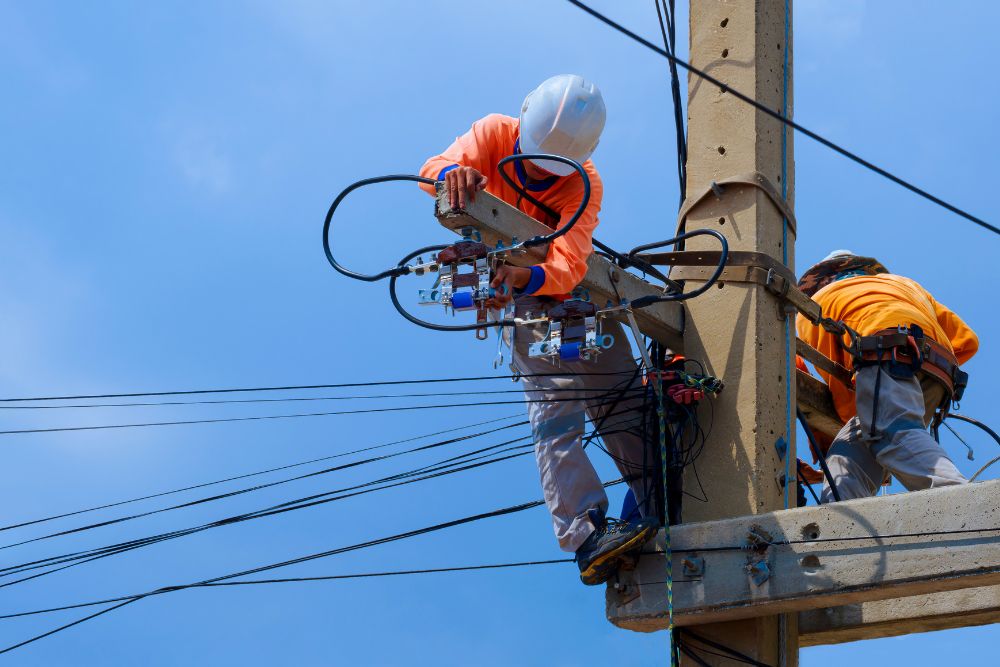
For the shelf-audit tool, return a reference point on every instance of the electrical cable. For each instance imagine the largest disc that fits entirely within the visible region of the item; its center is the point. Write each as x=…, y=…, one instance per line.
x=294, y=399
x=721, y=647
x=804, y=483
x=612, y=254
x=787, y=121
x=245, y=490
x=989, y=464
x=432, y=471
x=982, y=426
x=958, y=437
x=818, y=453
x=95, y=554
x=669, y=33
x=187, y=422
x=975, y=422
x=648, y=300
x=302, y=559
x=343, y=385
x=67, y=561
x=292, y=580
x=264, y=472
x=686, y=650
x=584, y=199
x=327, y=224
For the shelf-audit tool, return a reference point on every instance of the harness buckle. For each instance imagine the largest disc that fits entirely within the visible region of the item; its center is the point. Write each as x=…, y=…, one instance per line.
x=960, y=380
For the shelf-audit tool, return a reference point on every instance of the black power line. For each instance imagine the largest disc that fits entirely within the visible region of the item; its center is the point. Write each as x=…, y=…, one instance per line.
x=292, y=399
x=787, y=121
x=295, y=561
x=297, y=415
x=448, y=466
x=342, y=385
x=234, y=478
x=257, y=487
x=289, y=580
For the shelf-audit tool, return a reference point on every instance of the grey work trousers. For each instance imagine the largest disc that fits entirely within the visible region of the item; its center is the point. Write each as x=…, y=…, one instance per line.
x=557, y=406
x=900, y=445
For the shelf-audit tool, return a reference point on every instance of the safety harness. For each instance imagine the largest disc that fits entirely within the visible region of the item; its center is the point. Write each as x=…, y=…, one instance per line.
x=908, y=346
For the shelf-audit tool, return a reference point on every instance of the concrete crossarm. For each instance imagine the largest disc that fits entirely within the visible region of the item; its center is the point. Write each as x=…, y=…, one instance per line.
x=900, y=616
x=814, y=399
x=498, y=221
x=824, y=566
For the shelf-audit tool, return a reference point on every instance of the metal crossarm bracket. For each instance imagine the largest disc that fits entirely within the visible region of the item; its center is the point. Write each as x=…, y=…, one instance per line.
x=741, y=267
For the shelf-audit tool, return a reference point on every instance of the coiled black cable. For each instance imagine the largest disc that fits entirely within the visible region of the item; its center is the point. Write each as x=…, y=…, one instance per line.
x=609, y=253
x=584, y=201
x=644, y=301
x=395, y=271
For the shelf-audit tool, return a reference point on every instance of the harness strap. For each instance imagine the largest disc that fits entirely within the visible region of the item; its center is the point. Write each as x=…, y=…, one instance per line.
x=908, y=345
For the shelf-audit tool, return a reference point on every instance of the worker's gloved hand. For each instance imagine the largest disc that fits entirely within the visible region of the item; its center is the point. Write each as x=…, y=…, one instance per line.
x=462, y=184
x=683, y=395
x=507, y=279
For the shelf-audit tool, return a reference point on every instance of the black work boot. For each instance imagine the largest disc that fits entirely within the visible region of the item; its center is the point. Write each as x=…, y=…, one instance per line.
x=612, y=543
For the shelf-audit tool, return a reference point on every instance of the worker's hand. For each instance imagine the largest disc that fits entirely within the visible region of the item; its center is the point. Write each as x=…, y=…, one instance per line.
x=507, y=278
x=462, y=184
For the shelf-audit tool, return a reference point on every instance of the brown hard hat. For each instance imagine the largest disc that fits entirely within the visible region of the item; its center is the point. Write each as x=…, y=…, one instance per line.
x=839, y=261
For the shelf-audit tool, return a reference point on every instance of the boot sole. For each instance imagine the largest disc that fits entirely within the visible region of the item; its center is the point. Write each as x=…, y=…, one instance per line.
x=601, y=569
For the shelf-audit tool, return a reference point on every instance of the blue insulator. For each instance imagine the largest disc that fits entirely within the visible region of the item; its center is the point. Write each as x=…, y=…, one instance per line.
x=569, y=351
x=462, y=301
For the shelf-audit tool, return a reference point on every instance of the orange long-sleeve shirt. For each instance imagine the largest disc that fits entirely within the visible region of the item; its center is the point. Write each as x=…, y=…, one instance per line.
x=495, y=137
x=869, y=304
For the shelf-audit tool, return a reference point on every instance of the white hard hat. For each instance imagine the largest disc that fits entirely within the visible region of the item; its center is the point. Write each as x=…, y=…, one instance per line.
x=838, y=253
x=563, y=116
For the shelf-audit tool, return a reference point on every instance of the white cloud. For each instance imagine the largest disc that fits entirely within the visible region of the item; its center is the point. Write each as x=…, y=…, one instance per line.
x=198, y=152
x=204, y=164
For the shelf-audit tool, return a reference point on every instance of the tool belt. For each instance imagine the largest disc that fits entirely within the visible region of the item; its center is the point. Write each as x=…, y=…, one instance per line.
x=909, y=346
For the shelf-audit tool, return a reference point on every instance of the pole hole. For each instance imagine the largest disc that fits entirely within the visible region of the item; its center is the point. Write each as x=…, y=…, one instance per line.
x=720, y=285
x=810, y=561
x=725, y=53
x=810, y=531
x=722, y=221
x=724, y=22
x=722, y=150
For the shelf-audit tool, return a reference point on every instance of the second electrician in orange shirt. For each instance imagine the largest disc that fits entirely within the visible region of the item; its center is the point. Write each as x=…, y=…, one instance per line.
x=563, y=116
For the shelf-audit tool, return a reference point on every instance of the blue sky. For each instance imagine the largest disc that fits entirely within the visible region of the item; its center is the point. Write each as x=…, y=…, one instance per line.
x=165, y=172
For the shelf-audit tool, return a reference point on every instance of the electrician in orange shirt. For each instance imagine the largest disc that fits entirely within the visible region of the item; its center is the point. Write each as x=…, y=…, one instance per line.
x=911, y=347
x=563, y=116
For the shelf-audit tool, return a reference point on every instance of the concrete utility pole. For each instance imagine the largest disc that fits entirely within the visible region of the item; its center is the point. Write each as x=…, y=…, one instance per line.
x=736, y=330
